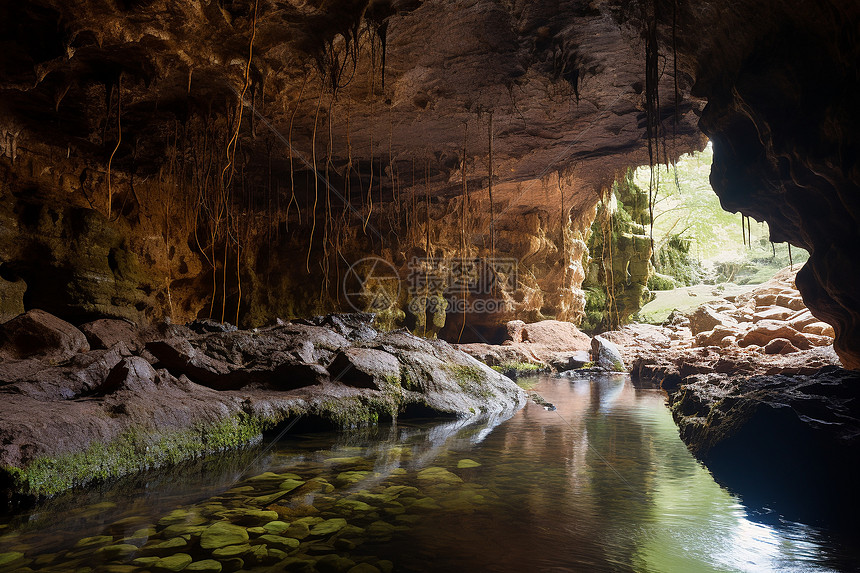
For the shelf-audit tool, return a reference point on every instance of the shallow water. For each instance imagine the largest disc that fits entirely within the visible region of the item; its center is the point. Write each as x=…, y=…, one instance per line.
x=602, y=483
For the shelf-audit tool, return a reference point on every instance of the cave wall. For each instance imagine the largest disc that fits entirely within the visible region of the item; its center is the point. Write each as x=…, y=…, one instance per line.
x=781, y=81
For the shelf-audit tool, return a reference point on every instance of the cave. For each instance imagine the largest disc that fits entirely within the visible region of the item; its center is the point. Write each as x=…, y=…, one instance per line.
x=237, y=235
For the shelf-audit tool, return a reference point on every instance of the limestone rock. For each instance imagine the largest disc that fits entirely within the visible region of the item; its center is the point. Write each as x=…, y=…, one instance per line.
x=796, y=433
x=555, y=335
x=134, y=374
x=705, y=318
x=819, y=328
x=779, y=346
x=106, y=333
x=39, y=334
x=772, y=313
x=607, y=355
x=570, y=360
x=366, y=368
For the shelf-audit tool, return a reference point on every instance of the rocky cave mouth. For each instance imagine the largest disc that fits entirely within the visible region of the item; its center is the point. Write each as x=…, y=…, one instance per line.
x=362, y=198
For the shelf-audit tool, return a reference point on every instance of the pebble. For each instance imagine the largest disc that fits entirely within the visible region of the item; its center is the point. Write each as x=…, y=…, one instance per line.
x=205, y=566
x=173, y=563
x=328, y=527
x=221, y=534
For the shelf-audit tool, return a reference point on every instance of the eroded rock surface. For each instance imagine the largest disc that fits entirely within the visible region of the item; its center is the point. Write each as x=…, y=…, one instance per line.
x=104, y=413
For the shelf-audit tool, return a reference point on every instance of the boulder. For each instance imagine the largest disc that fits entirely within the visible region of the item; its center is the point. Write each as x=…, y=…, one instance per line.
x=705, y=318
x=766, y=330
x=106, y=333
x=207, y=325
x=556, y=335
x=801, y=319
x=515, y=330
x=791, y=300
x=355, y=326
x=819, y=328
x=81, y=375
x=606, y=355
x=716, y=336
x=496, y=355
x=570, y=360
x=134, y=374
x=772, y=313
x=779, y=346
x=365, y=368
x=39, y=334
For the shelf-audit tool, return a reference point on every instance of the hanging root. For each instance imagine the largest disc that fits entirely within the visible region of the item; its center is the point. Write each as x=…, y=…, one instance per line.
x=316, y=176
x=118, y=141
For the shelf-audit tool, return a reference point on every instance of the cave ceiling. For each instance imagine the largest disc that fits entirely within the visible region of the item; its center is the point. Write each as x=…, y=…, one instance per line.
x=411, y=85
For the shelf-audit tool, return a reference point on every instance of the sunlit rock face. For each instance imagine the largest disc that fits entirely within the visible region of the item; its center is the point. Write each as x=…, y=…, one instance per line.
x=133, y=187
x=781, y=83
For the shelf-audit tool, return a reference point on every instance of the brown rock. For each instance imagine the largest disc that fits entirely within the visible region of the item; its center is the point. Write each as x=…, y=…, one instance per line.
x=134, y=374
x=819, y=328
x=106, y=333
x=11, y=299
x=39, y=334
x=705, y=318
x=801, y=319
x=365, y=368
x=515, y=330
x=556, y=335
x=765, y=331
x=792, y=301
x=715, y=337
x=818, y=339
x=772, y=313
x=779, y=346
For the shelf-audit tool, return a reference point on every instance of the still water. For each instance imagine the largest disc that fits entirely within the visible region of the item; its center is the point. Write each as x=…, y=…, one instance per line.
x=601, y=483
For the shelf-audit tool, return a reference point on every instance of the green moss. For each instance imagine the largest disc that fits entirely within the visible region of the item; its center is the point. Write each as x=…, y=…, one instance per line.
x=134, y=450
x=515, y=369
x=466, y=376
x=357, y=411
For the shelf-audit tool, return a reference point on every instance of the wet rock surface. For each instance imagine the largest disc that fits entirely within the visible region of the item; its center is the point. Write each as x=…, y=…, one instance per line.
x=105, y=413
x=325, y=511
x=759, y=395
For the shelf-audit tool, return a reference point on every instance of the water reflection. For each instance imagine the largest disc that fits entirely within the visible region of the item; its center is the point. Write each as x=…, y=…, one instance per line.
x=601, y=483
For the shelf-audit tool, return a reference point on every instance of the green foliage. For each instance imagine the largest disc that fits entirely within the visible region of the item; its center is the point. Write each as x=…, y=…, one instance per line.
x=659, y=281
x=696, y=240
x=618, y=259
x=673, y=260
